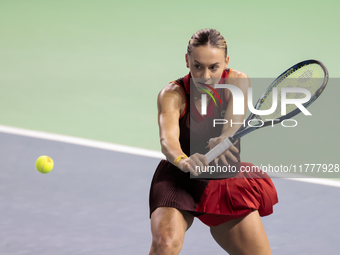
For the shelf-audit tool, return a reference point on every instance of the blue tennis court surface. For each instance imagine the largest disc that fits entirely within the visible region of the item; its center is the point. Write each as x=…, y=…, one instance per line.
x=95, y=201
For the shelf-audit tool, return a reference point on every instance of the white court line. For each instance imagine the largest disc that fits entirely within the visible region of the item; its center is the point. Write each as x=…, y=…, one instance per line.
x=126, y=149
x=302, y=178
x=81, y=141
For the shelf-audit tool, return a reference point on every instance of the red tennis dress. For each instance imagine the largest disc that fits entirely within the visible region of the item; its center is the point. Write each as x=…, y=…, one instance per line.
x=213, y=200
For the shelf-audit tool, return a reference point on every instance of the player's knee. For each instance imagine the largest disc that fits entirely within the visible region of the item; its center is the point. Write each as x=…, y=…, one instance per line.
x=166, y=244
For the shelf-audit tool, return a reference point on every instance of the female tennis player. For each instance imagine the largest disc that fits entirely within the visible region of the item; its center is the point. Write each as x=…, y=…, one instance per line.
x=231, y=205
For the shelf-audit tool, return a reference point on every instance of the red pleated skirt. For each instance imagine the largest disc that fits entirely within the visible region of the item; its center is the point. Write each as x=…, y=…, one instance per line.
x=213, y=201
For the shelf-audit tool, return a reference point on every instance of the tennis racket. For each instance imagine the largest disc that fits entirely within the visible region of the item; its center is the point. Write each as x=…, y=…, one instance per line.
x=309, y=74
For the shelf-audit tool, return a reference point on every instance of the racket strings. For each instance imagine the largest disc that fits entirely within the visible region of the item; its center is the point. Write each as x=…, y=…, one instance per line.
x=309, y=77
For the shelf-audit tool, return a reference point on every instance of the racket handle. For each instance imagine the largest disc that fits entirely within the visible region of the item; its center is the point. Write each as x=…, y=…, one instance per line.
x=218, y=149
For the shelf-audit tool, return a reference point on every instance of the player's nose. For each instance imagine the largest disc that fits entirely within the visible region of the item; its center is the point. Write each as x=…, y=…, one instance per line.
x=206, y=74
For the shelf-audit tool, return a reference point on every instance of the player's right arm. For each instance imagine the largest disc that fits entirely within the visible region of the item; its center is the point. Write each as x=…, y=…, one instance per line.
x=171, y=104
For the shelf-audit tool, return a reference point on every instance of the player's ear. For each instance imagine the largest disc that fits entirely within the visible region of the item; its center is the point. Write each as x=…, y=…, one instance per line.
x=187, y=59
x=226, y=62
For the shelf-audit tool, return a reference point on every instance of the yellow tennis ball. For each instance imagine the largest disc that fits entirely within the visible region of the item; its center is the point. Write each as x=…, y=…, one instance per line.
x=44, y=164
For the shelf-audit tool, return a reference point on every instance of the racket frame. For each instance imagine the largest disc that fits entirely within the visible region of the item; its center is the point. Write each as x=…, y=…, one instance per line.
x=246, y=129
x=282, y=76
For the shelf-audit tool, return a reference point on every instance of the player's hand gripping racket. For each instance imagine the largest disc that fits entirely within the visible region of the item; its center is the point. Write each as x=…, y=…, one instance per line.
x=310, y=74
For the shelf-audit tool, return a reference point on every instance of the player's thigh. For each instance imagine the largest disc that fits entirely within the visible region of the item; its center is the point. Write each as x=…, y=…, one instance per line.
x=245, y=235
x=168, y=222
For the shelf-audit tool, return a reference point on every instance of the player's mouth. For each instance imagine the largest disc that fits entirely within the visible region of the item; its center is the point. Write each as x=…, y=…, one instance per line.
x=206, y=83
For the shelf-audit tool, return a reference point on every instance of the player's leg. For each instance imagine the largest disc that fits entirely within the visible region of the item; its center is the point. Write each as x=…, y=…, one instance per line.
x=168, y=226
x=242, y=236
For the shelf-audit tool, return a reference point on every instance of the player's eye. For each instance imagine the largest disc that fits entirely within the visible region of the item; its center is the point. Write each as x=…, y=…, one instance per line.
x=197, y=66
x=214, y=68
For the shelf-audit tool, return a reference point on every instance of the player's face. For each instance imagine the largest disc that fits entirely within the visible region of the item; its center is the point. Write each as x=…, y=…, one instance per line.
x=206, y=64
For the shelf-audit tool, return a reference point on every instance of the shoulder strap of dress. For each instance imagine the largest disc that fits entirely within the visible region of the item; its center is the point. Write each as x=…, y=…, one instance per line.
x=184, y=82
x=227, y=72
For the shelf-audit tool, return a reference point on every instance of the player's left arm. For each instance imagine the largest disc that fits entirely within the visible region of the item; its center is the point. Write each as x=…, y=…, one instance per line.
x=240, y=80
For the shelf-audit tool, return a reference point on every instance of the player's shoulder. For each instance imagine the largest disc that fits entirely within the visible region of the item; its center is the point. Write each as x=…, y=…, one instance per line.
x=172, y=89
x=238, y=78
x=237, y=74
